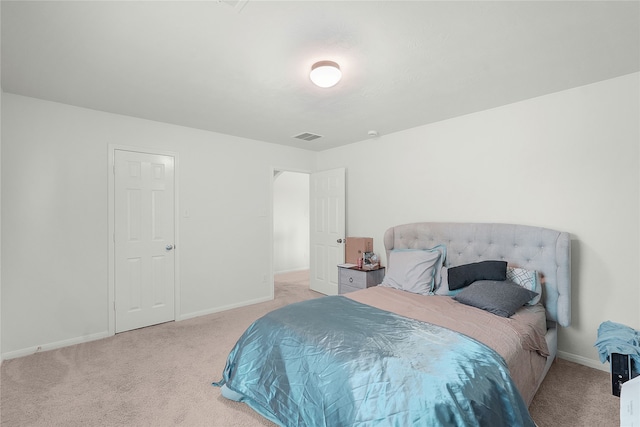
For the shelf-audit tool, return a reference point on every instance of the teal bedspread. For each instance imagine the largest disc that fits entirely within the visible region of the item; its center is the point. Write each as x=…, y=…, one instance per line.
x=335, y=362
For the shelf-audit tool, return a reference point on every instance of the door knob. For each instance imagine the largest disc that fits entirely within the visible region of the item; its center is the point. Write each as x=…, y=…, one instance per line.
x=339, y=240
x=169, y=247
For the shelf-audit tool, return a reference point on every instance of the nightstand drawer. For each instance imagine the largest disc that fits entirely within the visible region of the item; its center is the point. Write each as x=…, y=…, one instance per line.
x=350, y=279
x=353, y=278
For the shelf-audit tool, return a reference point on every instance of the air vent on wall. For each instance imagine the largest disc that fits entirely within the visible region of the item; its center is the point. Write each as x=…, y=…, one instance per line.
x=307, y=136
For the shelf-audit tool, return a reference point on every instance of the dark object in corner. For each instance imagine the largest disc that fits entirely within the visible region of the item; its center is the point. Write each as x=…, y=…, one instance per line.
x=621, y=371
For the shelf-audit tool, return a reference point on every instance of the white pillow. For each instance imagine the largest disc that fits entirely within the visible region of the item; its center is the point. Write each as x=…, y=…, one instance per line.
x=527, y=279
x=414, y=270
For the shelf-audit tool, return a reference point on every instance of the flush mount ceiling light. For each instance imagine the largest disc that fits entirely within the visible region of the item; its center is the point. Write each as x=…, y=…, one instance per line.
x=325, y=73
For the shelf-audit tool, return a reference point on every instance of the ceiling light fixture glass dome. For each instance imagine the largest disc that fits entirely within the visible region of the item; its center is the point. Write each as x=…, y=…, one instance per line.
x=325, y=74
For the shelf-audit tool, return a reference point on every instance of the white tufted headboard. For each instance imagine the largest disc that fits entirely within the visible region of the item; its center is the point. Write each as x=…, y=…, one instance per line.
x=534, y=248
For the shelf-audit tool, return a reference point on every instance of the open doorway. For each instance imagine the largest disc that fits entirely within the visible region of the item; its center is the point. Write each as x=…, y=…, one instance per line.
x=291, y=228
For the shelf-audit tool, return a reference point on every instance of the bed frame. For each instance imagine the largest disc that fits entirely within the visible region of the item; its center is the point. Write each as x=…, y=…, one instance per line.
x=544, y=250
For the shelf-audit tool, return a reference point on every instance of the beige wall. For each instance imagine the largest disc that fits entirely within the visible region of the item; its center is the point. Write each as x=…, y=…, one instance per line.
x=567, y=161
x=55, y=218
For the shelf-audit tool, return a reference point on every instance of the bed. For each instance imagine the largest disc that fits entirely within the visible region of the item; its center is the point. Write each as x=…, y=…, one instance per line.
x=402, y=354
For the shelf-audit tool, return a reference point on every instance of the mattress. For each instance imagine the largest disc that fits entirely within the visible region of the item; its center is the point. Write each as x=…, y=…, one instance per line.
x=520, y=339
x=336, y=361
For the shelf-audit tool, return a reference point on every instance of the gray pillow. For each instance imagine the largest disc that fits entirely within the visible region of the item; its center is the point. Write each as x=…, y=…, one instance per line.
x=502, y=298
x=414, y=270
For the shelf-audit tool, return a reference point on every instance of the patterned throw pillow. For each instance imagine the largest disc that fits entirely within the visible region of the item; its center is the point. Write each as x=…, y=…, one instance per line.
x=527, y=279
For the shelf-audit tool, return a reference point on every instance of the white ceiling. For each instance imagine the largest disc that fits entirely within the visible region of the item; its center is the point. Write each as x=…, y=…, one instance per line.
x=243, y=70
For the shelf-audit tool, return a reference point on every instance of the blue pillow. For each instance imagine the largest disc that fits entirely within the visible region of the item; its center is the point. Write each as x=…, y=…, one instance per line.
x=443, y=289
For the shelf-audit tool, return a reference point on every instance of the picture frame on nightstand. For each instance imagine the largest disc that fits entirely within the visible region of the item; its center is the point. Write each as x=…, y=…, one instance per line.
x=370, y=261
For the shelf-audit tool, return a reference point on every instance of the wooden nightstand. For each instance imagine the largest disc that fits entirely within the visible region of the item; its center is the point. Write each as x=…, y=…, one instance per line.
x=354, y=279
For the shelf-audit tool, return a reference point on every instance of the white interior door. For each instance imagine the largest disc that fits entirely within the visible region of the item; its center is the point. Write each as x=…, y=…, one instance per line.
x=144, y=239
x=327, y=231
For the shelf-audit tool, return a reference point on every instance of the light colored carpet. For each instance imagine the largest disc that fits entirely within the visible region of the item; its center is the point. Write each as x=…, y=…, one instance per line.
x=161, y=376
x=575, y=395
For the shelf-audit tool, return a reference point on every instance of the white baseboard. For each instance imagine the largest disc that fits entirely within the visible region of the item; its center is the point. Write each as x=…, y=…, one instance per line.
x=584, y=361
x=224, y=308
x=100, y=335
x=87, y=338
x=54, y=345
